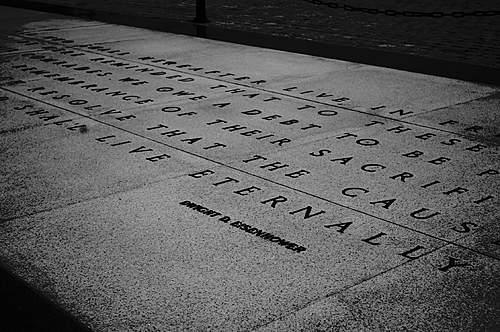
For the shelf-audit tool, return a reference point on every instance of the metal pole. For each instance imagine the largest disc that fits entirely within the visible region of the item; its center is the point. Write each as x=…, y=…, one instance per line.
x=201, y=12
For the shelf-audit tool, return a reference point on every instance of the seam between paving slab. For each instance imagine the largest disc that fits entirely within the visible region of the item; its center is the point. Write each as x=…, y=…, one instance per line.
x=89, y=199
x=261, y=89
x=493, y=94
x=21, y=52
x=334, y=293
x=253, y=175
x=98, y=24
x=356, y=284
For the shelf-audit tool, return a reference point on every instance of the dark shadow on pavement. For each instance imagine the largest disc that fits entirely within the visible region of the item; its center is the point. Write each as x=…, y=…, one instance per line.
x=408, y=62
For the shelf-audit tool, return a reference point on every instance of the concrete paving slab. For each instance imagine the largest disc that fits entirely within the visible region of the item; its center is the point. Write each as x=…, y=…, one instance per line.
x=214, y=54
x=477, y=119
x=18, y=114
x=51, y=157
x=484, y=239
x=237, y=122
x=331, y=81
x=132, y=260
x=160, y=202
x=97, y=33
x=405, y=299
x=59, y=75
x=401, y=91
x=12, y=44
x=409, y=175
x=323, y=80
x=8, y=70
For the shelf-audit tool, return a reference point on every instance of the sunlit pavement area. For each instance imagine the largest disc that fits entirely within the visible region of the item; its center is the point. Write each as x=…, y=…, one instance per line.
x=154, y=181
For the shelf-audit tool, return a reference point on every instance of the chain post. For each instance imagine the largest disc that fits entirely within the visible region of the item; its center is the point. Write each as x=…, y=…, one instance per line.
x=201, y=12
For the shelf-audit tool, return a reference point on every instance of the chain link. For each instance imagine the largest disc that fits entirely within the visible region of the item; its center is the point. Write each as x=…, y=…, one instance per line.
x=405, y=13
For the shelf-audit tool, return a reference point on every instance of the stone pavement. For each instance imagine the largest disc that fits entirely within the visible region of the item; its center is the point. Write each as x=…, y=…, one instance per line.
x=467, y=40
x=159, y=182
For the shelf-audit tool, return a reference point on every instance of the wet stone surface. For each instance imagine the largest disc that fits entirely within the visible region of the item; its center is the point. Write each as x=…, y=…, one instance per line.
x=153, y=181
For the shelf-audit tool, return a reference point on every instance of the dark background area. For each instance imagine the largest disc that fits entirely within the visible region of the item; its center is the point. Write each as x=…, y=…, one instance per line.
x=468, y=40
x=25, y=310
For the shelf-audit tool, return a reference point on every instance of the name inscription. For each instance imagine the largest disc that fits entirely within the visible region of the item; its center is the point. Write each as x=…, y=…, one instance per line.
x=245, y=227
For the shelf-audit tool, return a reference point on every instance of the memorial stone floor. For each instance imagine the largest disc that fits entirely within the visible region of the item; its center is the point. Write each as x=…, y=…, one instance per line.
x=159, y=182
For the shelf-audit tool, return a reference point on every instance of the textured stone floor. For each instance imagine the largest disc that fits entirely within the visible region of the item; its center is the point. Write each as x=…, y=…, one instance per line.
x=159, y=182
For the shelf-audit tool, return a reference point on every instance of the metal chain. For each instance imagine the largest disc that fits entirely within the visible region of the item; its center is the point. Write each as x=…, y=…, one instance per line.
x=405, y=13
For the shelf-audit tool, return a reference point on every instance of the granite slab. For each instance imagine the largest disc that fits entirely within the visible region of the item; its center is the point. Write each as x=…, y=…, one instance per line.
x=484, y=239
x=477, y=119
x=153, y=181
x=18, y=114
x=414, y=297
x=51, y=158
x=188, y=253
x=94, y=33
x=237, y=122
x=13, y=44
x=186, y=53
x=388, y=92
x=73, y=77
x=329, y=81
x=431, y=181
